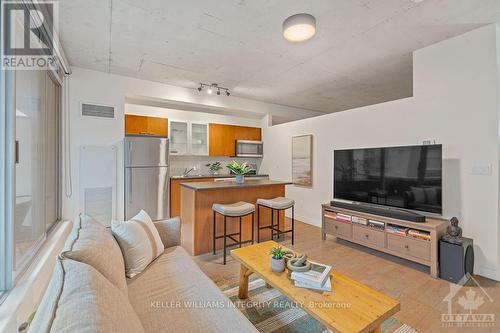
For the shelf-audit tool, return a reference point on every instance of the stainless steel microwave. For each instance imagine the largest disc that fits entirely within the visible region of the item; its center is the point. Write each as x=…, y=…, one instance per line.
x=249, y=148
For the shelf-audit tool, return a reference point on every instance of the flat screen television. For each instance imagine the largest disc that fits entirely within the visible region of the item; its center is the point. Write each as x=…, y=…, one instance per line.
x=408, y=177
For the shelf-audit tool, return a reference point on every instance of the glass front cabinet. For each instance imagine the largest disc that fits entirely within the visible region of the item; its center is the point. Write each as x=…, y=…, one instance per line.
x=188, y=138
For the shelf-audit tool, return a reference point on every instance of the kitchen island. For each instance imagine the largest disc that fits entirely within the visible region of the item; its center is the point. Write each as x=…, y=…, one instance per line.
x=197, y=199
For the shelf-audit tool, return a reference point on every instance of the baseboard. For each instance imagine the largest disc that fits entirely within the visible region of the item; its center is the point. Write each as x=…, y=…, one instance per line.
x=489, y=273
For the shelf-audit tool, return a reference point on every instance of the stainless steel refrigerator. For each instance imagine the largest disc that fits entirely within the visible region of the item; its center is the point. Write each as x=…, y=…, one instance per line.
x=146, y=176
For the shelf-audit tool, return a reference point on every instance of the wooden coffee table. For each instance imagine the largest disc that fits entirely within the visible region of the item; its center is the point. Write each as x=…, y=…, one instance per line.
x=349, y=307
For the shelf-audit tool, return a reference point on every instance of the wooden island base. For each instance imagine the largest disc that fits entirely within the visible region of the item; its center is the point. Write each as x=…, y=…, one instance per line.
x=197, y=199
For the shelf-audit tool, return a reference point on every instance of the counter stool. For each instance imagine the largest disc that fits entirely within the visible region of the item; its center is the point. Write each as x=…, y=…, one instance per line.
x=277, y=204
x=238, y=209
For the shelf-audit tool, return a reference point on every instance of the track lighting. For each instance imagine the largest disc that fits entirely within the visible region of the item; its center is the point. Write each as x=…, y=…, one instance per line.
x=213, y=87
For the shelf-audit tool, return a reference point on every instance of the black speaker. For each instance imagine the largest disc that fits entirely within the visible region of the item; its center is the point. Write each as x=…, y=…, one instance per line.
x=456, y=260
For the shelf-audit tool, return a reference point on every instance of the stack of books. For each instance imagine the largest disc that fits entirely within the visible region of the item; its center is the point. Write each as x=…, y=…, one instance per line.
x=395, y=229
x=419, y=234
x=359, y=220
x=343, y=218
x=317, y=278
x=376, y=224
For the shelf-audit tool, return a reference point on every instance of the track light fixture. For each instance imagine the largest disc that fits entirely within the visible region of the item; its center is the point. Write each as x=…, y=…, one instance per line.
x=213, y=87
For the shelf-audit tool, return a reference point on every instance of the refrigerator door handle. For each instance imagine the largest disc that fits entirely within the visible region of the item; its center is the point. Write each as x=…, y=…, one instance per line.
x=130, y=185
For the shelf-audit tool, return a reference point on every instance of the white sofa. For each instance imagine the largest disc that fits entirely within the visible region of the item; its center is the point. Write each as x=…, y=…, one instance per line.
x=88, y=291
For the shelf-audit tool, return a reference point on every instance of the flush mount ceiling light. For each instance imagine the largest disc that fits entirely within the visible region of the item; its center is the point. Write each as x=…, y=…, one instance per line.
x=299, y=27
x=213, y=87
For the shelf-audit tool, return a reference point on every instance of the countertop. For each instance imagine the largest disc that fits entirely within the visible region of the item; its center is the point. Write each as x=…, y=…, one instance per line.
x=214, y=176
x=232, y=184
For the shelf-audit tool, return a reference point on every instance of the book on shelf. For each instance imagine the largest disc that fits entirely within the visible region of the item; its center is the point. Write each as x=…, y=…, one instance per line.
x=327, y=286
x=419, y=234
x=343, y=218
x=359, y=220
x=330, y=215
x=316, y=276
x=376, y=224
x=393, y=229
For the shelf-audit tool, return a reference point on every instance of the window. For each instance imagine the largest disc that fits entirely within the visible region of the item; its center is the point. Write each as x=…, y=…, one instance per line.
x=30, y=171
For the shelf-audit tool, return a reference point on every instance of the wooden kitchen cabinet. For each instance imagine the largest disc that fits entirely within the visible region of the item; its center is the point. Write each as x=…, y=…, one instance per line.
x=143, y=125
x=222, y=138
x=175, y=192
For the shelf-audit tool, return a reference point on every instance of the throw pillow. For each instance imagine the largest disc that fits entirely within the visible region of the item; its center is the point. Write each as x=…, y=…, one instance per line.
x=139, y=241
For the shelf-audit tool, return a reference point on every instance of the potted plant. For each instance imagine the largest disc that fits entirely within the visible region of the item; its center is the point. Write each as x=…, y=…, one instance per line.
x=239, y=170
x=214, y=167
x=277, y=259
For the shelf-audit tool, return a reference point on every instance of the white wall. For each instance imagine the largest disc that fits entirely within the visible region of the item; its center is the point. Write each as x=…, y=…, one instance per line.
x=454, y=103
x=181, y=115
x=108, y=89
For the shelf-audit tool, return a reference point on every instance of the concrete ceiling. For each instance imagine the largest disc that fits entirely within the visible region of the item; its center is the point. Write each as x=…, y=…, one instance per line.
x=360, y=55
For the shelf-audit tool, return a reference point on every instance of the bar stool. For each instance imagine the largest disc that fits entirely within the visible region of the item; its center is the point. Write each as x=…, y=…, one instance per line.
x=238, y=209
x=277, y=204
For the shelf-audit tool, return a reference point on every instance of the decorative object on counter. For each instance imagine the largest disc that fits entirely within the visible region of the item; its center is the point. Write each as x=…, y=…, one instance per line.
x=214, y=167
x=299, y=264
x=302, y=166
x=454, y=232
x=277, y=259
x=240, y=170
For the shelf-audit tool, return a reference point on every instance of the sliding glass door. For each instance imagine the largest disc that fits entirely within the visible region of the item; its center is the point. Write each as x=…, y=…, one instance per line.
x=37, y=144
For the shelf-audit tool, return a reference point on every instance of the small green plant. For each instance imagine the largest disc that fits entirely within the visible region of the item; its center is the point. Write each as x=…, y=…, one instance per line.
x=238, y=169
x=277, y=252
x=214, y=167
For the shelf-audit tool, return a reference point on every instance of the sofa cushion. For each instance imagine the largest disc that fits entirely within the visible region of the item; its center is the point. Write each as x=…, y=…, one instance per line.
x=174, y=295
x=169, y=231
x=139, y=241
x=92, y=243
x=80, y=299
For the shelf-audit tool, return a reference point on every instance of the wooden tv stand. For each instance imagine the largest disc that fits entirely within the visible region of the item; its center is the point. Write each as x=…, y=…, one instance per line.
x=404, y=246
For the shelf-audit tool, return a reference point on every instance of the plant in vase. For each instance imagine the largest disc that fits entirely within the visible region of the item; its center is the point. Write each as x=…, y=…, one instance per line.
x=240, y=170
x=277, y=259
x=214, y=167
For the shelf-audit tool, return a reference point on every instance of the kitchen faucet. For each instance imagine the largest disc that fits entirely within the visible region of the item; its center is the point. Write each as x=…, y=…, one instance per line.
x=186, y=171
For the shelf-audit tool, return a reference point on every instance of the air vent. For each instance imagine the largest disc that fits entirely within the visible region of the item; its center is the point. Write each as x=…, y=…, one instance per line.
x=101, y=111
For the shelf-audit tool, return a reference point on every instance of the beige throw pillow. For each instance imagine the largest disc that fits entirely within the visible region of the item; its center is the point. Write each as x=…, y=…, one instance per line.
x=92, y=243
x=80, y=299
x=139, y=241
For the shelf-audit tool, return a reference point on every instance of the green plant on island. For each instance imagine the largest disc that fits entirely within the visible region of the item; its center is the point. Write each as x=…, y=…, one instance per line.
x=238, y=169
x=278, y=253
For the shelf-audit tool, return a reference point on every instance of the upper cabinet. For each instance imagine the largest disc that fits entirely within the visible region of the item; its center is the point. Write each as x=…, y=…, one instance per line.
x=222, y=138
x=188, y=138
x=142, y=125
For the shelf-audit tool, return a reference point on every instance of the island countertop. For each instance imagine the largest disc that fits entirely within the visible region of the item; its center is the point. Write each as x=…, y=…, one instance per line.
x=232, y=184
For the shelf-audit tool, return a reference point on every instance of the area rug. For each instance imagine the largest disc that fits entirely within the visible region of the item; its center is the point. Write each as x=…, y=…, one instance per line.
x=271, y=312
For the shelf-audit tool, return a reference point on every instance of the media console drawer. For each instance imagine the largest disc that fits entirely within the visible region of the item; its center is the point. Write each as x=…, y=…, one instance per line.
x=368, y=236
x=411, y=247
x=337, y=228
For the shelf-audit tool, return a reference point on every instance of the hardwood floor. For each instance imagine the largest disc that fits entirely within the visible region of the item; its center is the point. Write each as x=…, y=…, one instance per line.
x=422, y=297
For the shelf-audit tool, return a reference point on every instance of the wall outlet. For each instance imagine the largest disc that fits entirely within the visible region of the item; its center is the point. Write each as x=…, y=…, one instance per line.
x=482, y=170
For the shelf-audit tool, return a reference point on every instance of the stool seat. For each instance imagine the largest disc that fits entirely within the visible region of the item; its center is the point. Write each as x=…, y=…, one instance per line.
x=276, y=203
x=236, y=209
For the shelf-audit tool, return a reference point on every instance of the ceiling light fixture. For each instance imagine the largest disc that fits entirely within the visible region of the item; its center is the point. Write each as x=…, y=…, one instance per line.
x=213, y=87
x=299, y=27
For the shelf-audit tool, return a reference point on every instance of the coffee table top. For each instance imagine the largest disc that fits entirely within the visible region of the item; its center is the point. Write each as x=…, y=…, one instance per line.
x=350, y=307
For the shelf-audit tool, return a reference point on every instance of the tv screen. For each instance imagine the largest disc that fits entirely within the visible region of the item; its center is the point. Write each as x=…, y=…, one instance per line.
x=407, y=177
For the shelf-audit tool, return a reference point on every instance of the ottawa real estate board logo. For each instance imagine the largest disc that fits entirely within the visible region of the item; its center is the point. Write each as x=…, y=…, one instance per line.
x=465, y=303
x=27, y=34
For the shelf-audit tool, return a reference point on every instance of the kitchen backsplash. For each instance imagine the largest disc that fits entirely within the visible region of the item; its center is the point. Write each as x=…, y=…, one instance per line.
x=179, y=163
